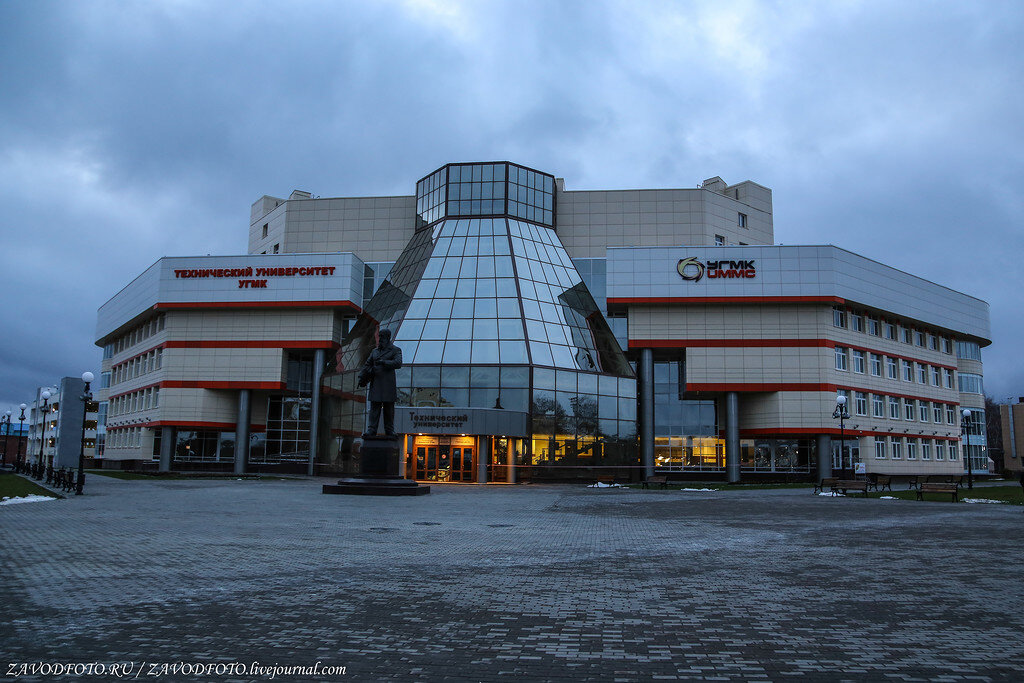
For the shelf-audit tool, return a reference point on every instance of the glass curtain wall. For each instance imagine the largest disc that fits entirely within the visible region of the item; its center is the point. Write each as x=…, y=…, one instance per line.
x=490, y=312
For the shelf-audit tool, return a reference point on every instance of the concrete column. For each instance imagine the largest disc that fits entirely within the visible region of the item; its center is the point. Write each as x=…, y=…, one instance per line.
x=511, y=463
x=242, y=431
x=647, y=411
x=483, y=454
x=168, y=435
x=319, y=360
x=732, y=437
x=824, y=456
x=403, y=464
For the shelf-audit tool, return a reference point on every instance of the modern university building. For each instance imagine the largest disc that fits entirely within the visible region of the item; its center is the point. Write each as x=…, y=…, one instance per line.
x=546, y=334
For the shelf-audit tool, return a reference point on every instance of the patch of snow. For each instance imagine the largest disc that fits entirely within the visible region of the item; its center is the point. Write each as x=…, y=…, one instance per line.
x=698, y=489
x=888, y=498
x=983, y=500
x=602, y=485
x=26, y=499
x=830, y=494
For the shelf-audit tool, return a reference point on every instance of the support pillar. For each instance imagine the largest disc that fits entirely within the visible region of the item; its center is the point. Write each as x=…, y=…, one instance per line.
x=511, y=457
x=824, y=456
x=168, y=435
x=483, y=454
x=732, y=437
x=319, y=361
x=404, y=463
x=242, y=431
x=647, y=411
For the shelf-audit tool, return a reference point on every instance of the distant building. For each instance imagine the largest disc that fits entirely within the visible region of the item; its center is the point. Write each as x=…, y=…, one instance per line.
x=61, y=425
x=546, y=333
x=1011, y=416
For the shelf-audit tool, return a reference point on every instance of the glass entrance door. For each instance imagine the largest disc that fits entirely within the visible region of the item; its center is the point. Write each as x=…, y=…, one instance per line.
x=443, y=458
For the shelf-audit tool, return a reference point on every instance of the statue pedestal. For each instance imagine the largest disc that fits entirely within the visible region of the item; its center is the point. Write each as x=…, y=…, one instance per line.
x=380, y=472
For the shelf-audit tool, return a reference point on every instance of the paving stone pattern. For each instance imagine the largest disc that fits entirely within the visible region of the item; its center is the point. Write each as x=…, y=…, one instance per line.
x=539, y=582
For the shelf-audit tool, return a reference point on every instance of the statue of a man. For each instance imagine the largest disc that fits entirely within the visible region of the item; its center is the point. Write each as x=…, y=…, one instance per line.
x=379, y=372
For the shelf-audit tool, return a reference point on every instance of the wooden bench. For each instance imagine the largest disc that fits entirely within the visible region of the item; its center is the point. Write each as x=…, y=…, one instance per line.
x=879, y=482
x=828, y=483
x=845, y=485
x=660, y=479
x=913, y=482
x=952, y=488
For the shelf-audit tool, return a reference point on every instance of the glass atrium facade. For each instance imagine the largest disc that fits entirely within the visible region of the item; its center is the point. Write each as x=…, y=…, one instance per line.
x=493, y=317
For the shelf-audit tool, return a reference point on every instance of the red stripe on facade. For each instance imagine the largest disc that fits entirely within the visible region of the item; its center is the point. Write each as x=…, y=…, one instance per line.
x=210, y=384
x=251, y=344
x=625, y=300
x=770, y=343
x=256, y=304
x=714, y=343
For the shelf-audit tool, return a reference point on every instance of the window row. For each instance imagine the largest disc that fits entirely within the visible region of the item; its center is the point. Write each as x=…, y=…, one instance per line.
x=134, y=336
x=138, y=366
x=879, y=327
x=130, y=437
x=143, y=399
x=867, y=362
x=913, y=448
x=896, y=408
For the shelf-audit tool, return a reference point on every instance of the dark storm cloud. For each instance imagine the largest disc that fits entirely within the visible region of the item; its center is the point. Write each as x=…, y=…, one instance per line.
x=129, y=131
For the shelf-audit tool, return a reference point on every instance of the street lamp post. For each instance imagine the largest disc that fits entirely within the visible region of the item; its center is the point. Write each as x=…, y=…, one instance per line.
x=86, y=397
x=21, y=432
x=841, y=414
x=965, y=424
x=42, y=434
x=6, y=421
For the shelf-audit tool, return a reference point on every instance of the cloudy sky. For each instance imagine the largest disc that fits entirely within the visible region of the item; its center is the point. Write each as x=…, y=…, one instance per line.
x=134, y=130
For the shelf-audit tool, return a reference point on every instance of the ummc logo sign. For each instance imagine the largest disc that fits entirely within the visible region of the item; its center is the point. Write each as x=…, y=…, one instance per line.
x=693, y=270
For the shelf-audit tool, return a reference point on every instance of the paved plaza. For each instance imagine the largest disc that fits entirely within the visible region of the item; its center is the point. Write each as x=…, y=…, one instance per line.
x=541, y=582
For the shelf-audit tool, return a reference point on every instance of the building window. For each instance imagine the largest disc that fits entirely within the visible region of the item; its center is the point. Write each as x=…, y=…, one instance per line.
x=894, y=408
x=933, y=343
x=856, y=322
x=720, y=240
x=858, y=362
x=860, y=403
x=950, y=415
x=741, y=220
x=266, y=229
x=909, y=409
x=892, y=368
x=911, y=449
x=876, y=365
x=877, y=405
x=838, y=317
x=940, y=450
x=880, y=449
x=969, y=382
x=947, y=378
x=890, y=331
x=968, y=350
x=922, y=373
x=924, y=407
x=907, y=335
x=277, y=248
x=919, y=338
x=873, y=327
x=947, y=347
x=926, y=449
x=936, y=379
x=897, y=448
x=908, y=371
x=841, y=358
x=954, y=449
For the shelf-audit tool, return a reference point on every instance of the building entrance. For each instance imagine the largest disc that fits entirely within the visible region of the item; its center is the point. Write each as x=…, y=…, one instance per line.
x=443, y=458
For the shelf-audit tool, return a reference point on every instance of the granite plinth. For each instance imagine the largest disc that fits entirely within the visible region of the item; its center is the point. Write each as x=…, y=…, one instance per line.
x=379, y=474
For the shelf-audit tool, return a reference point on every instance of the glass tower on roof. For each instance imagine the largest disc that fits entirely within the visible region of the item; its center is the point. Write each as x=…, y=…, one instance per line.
x=492, y=317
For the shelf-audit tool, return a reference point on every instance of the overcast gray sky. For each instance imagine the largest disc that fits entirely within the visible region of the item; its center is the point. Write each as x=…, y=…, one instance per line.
x=134, y=130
